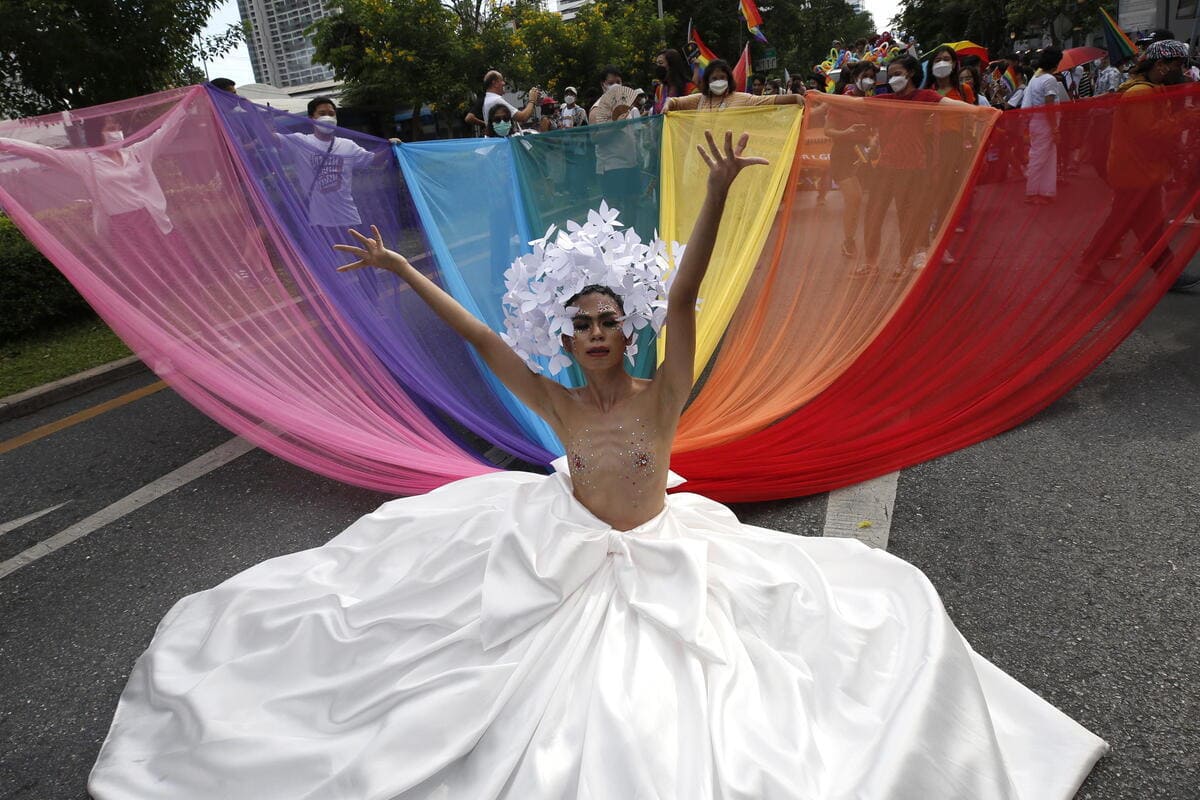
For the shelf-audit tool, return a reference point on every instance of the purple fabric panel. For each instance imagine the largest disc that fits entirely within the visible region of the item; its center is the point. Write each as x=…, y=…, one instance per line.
x=314, y=191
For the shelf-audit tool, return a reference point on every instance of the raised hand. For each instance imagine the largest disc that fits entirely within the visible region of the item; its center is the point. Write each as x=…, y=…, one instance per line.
x=371, y=254
x=724, y=167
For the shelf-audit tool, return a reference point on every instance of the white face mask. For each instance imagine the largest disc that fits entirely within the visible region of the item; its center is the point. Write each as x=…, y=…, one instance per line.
x=942, y=68
x=866, y=84
x=570, y=99
x=325, y=124
x=898, y=82
x=112, y=137
x=718, y=87
x=611, y=87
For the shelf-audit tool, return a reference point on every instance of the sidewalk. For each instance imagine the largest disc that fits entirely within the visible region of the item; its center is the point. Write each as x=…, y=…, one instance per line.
x=39, y=397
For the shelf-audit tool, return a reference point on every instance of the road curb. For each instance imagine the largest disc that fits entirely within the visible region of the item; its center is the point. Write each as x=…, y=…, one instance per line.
x=39, y=397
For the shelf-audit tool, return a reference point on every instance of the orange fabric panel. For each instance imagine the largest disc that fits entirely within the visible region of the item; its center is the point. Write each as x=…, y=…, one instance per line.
x=810, y=309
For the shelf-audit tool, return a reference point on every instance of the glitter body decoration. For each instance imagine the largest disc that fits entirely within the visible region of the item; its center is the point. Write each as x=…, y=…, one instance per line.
x=562, y=262
x=624, y=455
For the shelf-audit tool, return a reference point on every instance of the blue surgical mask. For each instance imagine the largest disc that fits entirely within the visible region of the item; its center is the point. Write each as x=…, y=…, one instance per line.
x=502, y=127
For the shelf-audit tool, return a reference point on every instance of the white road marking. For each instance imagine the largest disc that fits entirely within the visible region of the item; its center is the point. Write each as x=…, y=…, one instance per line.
x=863, y=511
x=189, y=472
x=16, y=523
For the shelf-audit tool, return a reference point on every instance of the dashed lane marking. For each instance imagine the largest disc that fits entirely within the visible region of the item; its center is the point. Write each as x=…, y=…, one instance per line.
x=189, y=472
x=863, y=511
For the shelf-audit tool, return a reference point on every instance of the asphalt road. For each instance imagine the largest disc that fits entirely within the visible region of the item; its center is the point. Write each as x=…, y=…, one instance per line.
x=1065, y=550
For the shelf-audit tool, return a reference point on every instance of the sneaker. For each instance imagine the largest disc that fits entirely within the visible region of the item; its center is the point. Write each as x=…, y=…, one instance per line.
x=849, y=250
x=864, y=270
x=918, y=259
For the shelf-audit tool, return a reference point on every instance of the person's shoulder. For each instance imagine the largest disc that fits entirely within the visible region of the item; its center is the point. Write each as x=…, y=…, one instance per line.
x=926, y=96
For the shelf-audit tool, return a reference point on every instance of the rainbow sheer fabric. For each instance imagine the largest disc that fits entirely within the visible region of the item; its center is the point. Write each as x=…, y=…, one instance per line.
x=205, y=243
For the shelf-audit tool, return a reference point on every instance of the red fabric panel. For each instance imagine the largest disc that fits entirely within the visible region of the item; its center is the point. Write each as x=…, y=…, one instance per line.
x=1009, y=313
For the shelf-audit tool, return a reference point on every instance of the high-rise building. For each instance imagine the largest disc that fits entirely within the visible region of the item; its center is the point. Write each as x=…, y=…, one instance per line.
x=569, y=8
x=280, y=53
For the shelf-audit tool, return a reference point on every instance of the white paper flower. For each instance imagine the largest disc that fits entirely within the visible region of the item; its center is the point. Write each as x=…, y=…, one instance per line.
x=562, y=262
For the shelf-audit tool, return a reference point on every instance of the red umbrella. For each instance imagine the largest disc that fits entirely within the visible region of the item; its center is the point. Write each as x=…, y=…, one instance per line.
x=1079, y=55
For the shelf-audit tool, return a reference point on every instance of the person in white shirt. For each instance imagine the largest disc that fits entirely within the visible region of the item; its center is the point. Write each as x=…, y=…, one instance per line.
x=325, y=166
x=493, y=95
x=118, y=175
x=571, y=115
x=1109, y=79
x=1041, y=174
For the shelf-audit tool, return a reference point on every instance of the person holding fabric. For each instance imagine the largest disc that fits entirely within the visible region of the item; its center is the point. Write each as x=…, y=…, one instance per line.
x=716, y=93
x=851, y=139
x=1145, y=146
x=580, y=634
x=674, y=78
x=948, y=136
x=325, y=166
x=117, y=173
x=1041, y=172
x=903, y=164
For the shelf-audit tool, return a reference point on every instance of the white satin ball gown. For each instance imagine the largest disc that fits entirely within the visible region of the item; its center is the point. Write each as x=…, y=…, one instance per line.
x=494, y=639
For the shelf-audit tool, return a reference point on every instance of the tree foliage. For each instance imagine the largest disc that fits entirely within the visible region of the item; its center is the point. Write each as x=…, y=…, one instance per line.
x=404, y=53
x=57, y=55
x=996, y=25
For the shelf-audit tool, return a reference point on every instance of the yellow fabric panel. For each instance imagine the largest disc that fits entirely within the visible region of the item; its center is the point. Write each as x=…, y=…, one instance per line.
x=749, y=211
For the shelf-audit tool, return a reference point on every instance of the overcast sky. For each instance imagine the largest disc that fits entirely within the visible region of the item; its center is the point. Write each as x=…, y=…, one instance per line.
x=235, y=65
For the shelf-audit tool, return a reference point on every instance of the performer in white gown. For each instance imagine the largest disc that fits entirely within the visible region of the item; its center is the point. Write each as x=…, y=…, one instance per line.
x=581, y=635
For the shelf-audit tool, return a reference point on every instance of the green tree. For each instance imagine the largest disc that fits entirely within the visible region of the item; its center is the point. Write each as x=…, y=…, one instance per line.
x=994, y=26
x=405, y=53
x=57, y=55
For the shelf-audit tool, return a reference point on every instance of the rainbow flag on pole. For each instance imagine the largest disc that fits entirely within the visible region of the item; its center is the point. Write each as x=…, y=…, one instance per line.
x=698, y=52
x=749, y=12
x=1011, y=79
x=1118, y=44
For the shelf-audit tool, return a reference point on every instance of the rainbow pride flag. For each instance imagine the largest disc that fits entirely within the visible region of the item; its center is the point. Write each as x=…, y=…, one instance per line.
x=749, y=12
x=1118, y=44
x=698, y=52
x=1011, y=78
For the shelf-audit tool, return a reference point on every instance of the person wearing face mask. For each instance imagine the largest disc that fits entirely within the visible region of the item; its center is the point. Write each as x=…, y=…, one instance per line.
x=500, y=123
x=1143, y=152
x=948, y=133
x=902, y=165
x=325, y=166
x=674, y=79
x=850, y=136
x=117, y=173
x=716, y=93
x=571, y=115
x=1041, y=172
x=610, y=78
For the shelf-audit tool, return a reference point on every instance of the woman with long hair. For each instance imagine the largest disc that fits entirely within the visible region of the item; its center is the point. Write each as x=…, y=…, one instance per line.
x=674, y=78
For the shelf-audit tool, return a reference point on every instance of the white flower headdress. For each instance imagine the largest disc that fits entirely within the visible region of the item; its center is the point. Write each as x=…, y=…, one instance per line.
x=562, y=263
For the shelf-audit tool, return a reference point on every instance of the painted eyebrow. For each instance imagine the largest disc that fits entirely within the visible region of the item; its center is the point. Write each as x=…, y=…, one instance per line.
x=602, y=314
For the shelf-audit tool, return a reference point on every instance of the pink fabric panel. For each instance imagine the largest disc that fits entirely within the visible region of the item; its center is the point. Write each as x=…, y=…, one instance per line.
x=179, y=260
